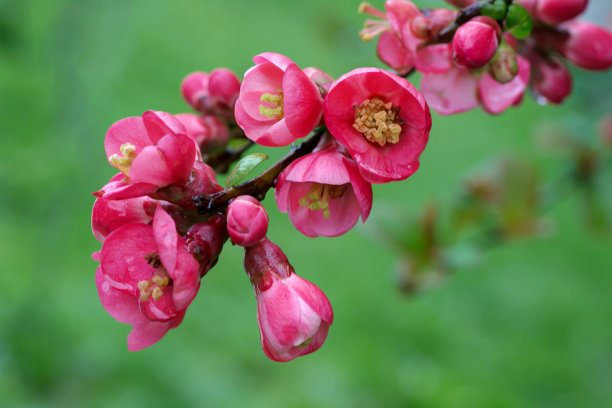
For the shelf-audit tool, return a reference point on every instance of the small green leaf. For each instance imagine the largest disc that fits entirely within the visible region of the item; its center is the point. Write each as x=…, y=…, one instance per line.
x=242, y=169
x=237, y=143
x=518, y=21
x=497, y=10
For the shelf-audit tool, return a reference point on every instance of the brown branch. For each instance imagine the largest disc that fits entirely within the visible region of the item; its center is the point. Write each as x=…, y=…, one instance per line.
x=259, y=186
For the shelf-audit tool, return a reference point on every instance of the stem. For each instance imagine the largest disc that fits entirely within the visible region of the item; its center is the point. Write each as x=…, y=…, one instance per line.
x=259, y=186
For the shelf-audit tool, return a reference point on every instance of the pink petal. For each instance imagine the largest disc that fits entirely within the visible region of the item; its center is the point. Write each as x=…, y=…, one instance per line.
x=123, y=256
x=179, y=152
x=121, y=306
x=451, y=92
x=302, y=105
x=185, y=279
x=118, y=188
x=224, y=84
x=497, y=97
x=166, y=238
x=434, y=59
x=128, y=130
x=391, y=51
x=146, y=334
x=277, y=59
x=150, y=167
x=313, y=296
x=159, y=124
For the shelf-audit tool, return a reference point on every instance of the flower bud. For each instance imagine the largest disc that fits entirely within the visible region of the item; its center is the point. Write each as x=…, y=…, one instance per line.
x=212, y=94
x=550, y=78
x=558, y=11
x=247, y=221
x=460, y=3
x=293, y=314
x=205, y=241
x=588, y=46
x=475, y=42
x=504, y=66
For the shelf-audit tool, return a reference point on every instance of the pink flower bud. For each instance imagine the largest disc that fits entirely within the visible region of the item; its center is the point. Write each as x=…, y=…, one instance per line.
x=212, y=94
x=475, y=42
x=206, y=131
x=558, y=11
x=293, y=314
x=460, y=3
x=247, y=221
x=588, y=46
x=550, y=78
x=205, y=241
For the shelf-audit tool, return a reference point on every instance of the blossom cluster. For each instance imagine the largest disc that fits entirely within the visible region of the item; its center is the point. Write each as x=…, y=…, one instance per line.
x=157, y=243
x=492, y=58
x=163, y=218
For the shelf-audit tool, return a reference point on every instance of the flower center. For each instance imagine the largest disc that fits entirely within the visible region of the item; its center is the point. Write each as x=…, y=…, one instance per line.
x=272, y=105
x=318, y=196
x=378, y=122
x=124, y=161
x=159, y=279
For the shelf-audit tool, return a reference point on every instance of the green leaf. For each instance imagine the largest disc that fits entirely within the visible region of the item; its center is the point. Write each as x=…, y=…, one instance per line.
x=242, y=169
x=518, y=21
x=497, y=10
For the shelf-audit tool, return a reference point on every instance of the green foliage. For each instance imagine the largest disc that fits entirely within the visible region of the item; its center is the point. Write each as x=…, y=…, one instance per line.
x=519, y=21
x=495, y=10
x=243, y=168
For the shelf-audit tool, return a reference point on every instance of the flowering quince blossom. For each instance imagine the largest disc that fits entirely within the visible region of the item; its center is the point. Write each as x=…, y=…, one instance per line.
x=404, y=32
x=147, y=278
x=151, y=152
x=278, y=102
x=381, y=119
x=247, y=221
x=324, y=194
x=293, y=314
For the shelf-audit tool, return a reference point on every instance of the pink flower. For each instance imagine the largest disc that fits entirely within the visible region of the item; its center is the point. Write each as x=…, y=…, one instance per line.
x=212, y=94
x=278, y=103
x=475, y=42
x=324, y=194
x=382, y=120
x=459, y=90
x=247, y=221
x=151, y=152
x=293, y=314
x=558, y=11
x=147, y=278
x=108, y=215
x=588, y=46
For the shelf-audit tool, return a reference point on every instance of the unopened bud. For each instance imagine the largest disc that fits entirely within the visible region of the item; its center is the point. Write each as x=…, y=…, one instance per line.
x=504, y=66
x=247, y=221
x=558, y=11
x=550, y=78
x=588, y=45
x=293, y=314
x=475, y=42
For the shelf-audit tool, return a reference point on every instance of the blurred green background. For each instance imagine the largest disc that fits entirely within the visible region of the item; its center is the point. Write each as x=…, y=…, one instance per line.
x=528, y=327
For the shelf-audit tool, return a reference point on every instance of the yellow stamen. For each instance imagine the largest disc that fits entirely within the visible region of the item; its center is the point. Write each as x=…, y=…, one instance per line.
x=305, y=343
x=276, y=110
x=124, y=161
x=378, y=122
x=159, y=280
x=319, y=195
